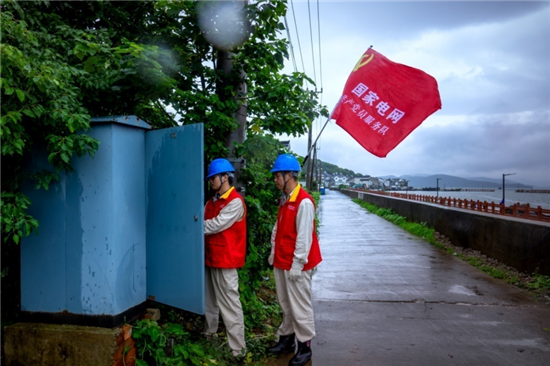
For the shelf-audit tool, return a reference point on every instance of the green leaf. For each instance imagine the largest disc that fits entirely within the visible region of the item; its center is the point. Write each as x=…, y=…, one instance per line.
x=154, y=333
x=16, y=238
x=90, y=63
x=20, y=94
x=29, y=113
x=175, y=329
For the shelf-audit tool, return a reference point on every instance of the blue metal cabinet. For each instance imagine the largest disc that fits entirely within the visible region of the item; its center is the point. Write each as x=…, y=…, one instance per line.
x=122, y=226
x=175, y=217
x=44, y=262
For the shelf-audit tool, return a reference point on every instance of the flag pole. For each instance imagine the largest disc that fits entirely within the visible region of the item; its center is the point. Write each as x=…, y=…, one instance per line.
x=313, y=145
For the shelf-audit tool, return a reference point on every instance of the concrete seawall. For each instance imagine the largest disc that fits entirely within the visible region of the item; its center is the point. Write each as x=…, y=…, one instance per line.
x=521, y=244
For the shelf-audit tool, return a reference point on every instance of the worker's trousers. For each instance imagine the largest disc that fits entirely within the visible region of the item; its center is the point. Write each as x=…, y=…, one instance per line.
x=222, y=296
x=295, y=300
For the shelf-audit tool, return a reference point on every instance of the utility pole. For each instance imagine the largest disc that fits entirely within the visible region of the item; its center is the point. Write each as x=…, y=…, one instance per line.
x=309, y=163
x=319, y=175
x=314, y=168
x=309, y=166
x=225, y=64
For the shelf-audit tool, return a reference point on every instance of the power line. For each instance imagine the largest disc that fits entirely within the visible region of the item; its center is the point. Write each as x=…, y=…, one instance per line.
x=320, y=64
x=297, y=36
x=291, y=47
x=319, y=122
x=320, y=58
x=317, y=171
x=312, y=48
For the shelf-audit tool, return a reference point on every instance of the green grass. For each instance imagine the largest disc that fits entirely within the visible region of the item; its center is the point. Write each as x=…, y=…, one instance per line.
x=421, y=230
x=538, y=283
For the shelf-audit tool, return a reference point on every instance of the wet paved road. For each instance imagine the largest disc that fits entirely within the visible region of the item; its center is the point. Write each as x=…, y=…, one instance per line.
x=385, y=297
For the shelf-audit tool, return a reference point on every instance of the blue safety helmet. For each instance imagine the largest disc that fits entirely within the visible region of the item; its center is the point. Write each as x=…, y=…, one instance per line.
x=219, y=166
x=286, y=163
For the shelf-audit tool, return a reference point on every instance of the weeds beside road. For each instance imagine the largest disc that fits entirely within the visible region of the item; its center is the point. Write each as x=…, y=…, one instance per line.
x=177, y=339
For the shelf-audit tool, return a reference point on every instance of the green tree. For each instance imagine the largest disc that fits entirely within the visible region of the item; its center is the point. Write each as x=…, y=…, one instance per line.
x=61, y=65
x=276, y=103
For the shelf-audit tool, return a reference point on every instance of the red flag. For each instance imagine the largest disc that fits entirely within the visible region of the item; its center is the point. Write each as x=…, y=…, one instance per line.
x=383, y=102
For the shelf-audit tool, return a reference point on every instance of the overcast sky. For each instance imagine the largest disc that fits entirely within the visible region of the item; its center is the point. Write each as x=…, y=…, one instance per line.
x=490, y=59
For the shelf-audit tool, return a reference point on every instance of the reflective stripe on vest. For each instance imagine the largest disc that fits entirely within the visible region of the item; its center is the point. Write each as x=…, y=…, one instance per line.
x=226, y=249
x=285, y=238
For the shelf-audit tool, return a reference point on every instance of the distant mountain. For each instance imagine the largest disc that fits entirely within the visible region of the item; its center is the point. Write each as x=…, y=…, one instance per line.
x=493, y=180
x=420, y=175
x=449, y=181
x=332, y=169
x=508, y=181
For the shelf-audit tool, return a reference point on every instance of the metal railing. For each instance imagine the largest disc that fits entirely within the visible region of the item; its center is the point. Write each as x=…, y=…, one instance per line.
x=516, y=210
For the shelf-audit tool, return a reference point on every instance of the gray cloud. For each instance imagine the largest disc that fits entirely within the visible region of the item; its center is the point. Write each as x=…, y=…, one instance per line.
x=488, y=146
x=492, y=63
x=394, y=19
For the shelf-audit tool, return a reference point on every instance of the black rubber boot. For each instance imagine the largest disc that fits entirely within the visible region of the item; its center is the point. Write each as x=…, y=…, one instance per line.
x=286, y=344
x=303, y=355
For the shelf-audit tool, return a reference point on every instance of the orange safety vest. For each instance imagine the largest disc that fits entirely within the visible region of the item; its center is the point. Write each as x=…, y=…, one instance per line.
x=285, y=238
x=226, y=249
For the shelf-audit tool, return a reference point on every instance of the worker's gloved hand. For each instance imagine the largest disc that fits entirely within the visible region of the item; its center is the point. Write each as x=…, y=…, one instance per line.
x=295, y=274
x=270, y=259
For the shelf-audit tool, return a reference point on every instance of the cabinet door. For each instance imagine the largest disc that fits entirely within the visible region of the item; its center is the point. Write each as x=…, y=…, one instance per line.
x=174, y=170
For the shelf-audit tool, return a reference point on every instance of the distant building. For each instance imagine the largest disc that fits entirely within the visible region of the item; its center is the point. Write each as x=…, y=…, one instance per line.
x=328, y=179
x=396, y=184
x=365, y=182
x=341, y=180
x=375, y=183
x=286, y=144
x=360, y=182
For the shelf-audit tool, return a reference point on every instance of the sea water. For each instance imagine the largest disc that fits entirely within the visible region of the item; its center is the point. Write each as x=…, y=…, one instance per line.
x=512, y=197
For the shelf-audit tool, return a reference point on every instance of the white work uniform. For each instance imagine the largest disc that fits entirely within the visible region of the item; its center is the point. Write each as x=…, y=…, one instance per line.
x=222, y=285
x=294, y=297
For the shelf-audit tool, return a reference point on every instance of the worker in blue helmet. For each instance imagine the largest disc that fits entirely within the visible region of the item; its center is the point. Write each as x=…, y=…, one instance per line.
x=225, y=252
x=223, y=169
x=288, y=168
x=295, y=252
